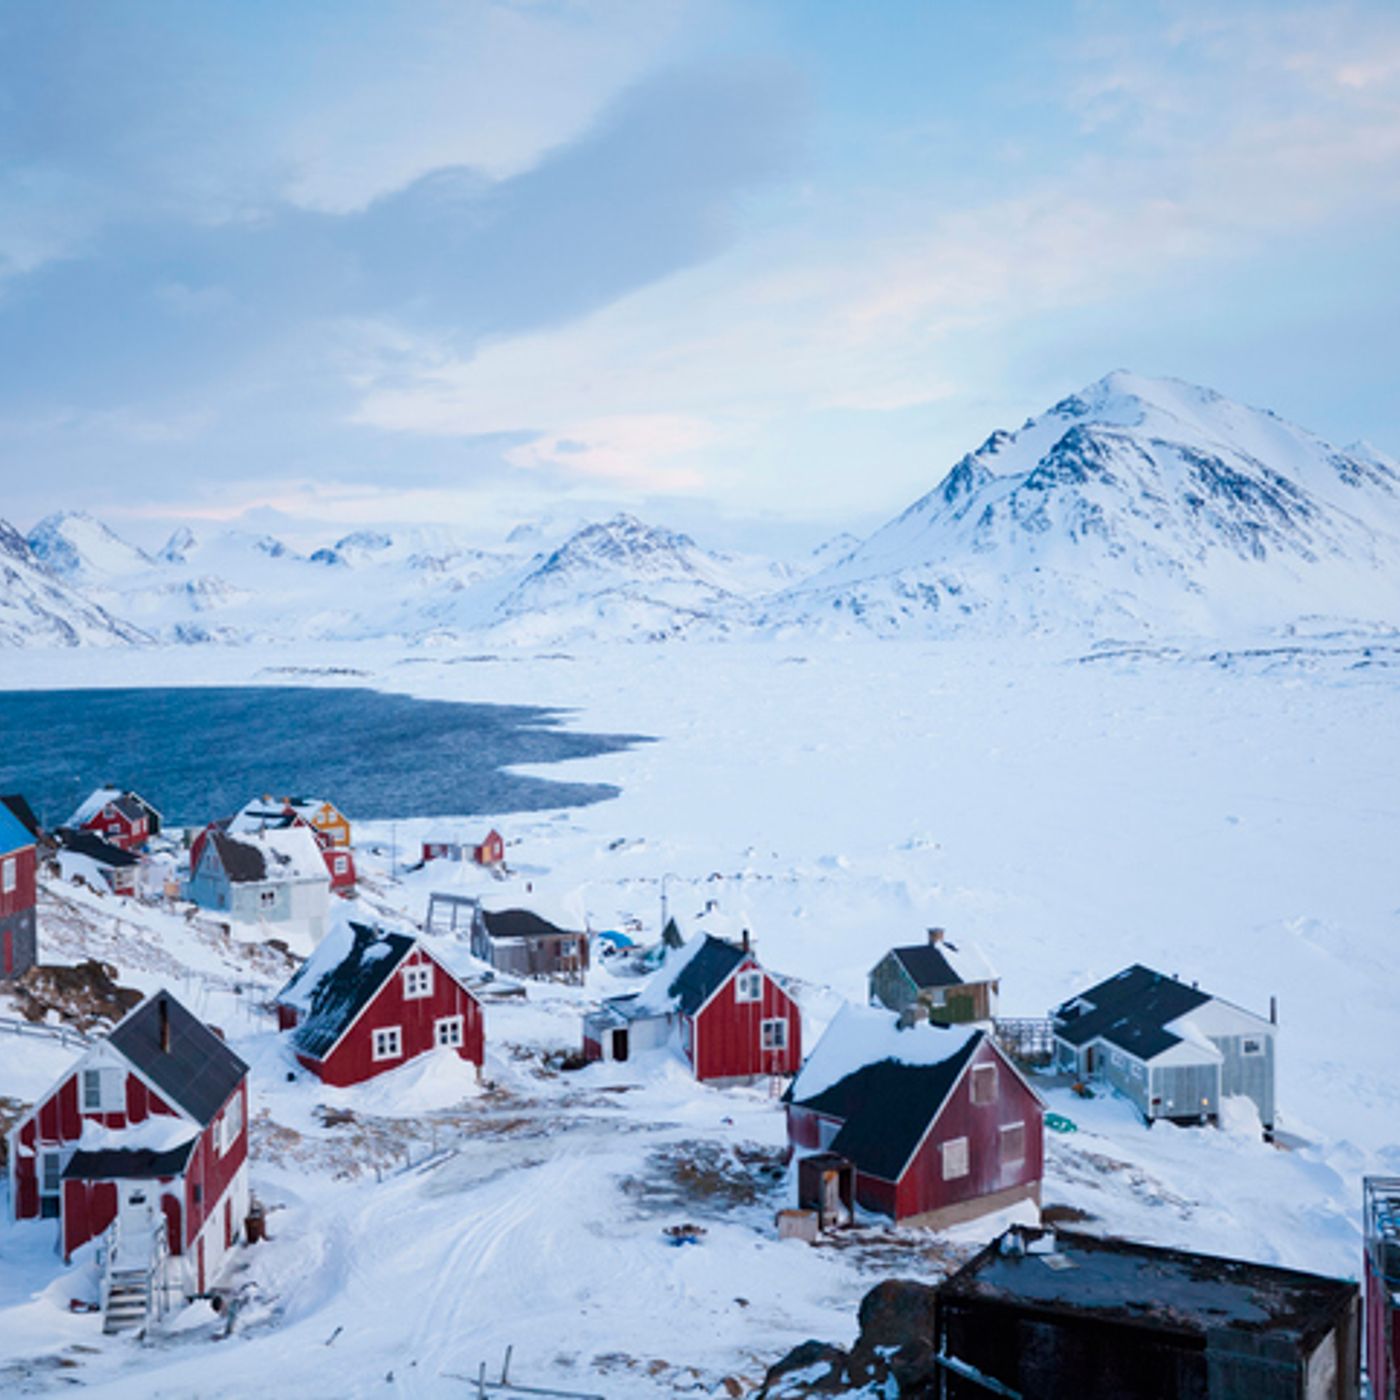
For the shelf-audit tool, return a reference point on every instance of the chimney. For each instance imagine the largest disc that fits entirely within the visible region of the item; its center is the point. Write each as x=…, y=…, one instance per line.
x=744, y=941
x=164, y=1009
x=1273, y=1011
x=935, y=935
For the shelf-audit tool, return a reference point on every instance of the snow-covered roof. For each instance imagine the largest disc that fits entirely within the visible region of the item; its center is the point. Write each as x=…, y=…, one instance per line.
x=945, y=964
x=565, y=911
x=93, y=804
x=291, y=853
x=687, y=978
x=865, y=1035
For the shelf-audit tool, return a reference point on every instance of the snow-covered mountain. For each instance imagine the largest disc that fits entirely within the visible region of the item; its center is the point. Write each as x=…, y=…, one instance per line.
x=82, y=550
x=1137, y=505
x=38, y=609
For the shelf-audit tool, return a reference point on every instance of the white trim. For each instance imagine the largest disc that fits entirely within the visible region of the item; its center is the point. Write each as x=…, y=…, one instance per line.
x=417, y=980
x=743, y=977
x=1002, y=1159
x=948, y=1157
x=380, y=1056
x=764, y=1024
x=972, y=1086
x=9, y=874
x=457, y=1023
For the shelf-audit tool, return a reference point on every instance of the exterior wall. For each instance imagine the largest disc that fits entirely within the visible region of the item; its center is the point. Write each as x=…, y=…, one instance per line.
x=565, y=955
x=1382, y=1336
x=116, y=828
x=970, y=1001
x=333, y=824
x=922, y=1188
x=352, y=1060
x=492, y=850
x=55, y=1123
x=340, y=866
x=1250, y=1075
x=727, y=1033
x=1187, y=1092
x=1129, y=1076
x=890, y=986
x=22, y=897
x=19, y=943
x=808, y=1130
x=210, y=1173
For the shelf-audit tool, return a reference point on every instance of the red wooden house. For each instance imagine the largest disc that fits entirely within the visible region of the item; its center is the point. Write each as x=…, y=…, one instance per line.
x=18, y=920
x=491, y=850
x=144, y=1141
x=369, y=1000
x=937, y=1123
x=731, y=1019
x=123, y=818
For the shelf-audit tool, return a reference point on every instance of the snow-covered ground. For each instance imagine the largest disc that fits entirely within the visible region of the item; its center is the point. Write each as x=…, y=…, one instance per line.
x=1229, y=817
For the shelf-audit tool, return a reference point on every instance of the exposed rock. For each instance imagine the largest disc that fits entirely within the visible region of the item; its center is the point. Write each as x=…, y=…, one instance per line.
x=87, y=996
x=812, y=1368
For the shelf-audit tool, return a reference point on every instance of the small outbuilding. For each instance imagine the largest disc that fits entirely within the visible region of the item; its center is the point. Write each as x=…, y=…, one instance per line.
x=441, y=845
x=938, y=1124
x=1044, y=1314
x=1171, y=1049
x=522, y=943
x=953, y=982
x=84, y=855
x=370, y=999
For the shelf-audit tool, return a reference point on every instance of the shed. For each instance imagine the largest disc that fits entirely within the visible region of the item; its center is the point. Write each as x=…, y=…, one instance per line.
x=954, y=982
x=525, y=944
x=1042, y=1315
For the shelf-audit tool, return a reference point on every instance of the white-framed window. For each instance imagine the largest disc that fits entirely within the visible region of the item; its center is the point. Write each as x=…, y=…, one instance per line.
x=1012, y=1141
x=418, y=981
x=984, y=1084
x=50, y=1173
x=748, y=986
x=103, y=1091
x=267, y=898
x=388, y=1043
x=447, y=1031
x=1251, y=1045
x=955, y=1158
x=9, y=874
x=342, y=864
x=774, y=1033
x=230, y=1123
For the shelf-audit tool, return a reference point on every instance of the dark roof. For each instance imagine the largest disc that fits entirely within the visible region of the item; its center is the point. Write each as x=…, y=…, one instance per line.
x=1163, y=1289
x=926, y=965
x=128, y=1163
x=705, y=973
x=344, y=990
x=130, y=806
x=19, y=807
x=519, y=923
x=886, y=1108
x=242, y=861
x=1130, y=1011
x=83, y=842
x=197, y=1073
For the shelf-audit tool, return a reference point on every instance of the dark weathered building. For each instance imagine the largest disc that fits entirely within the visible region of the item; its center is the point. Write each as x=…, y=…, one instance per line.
x=1043, y=1315
x=523, y=944
x=951, y=982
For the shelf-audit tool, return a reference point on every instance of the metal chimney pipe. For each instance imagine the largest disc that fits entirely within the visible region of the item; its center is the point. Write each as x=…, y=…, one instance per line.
x=935, y=935
x=1273, y=1011
x=164, y=1008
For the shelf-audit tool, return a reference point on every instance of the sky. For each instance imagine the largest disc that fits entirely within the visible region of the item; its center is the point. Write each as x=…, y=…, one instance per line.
x=760, y=269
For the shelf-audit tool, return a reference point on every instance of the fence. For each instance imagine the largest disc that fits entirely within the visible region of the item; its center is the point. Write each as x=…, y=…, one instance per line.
x=1030, y=1039
x=65, y=1035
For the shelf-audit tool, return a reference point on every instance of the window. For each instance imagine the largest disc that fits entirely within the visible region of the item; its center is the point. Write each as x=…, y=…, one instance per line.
x=9, y=876
x=104, y=1091
x=418, y=981
x=231, y=1124
x=388, y=1043
x=1117, y=1059
x=984, y=1084
x=954, y=1158
x=448, y=1031
x=774, y=1034
x=1251, y=1045
x=1013, y=1144
x=268, y=898
x=748, y=986
x=341, y=865
x=51, y=1172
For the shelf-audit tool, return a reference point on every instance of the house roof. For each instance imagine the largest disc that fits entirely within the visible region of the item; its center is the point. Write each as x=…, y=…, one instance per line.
x=1131, y=1011
x=128, y=1163
x=885, y=1108
x=519, y=923
x=340, y=978
x=88, y=843
x=269, y=855
x=197, y=1073
x=132, y=807
x=703, y=973
x=944, y=964
x=20, y=809
x=14, y=836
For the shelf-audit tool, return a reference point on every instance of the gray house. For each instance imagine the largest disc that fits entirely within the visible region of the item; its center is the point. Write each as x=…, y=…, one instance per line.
x=520, y=942
x=262, y=877
x=953, y=982
x=1172, y=1049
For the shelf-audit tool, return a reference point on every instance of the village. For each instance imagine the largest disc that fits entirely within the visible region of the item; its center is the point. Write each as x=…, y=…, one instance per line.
x=919, y=1114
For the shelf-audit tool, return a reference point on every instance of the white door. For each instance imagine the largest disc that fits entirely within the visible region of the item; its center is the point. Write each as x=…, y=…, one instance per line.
x=136, y=1219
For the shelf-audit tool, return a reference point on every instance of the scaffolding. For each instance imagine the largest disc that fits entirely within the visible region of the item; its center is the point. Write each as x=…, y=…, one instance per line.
x=1382, y=1331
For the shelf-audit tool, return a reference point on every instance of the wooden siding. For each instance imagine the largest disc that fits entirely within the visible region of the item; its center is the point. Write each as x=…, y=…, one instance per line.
x=890, y=985
x=209, y=1174
x=352, y=1060
x=21, y=898
x=922, y=1188
x=726, y=1041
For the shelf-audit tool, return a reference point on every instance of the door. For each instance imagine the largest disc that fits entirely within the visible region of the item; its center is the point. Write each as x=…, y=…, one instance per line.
x=136, y=1224
x=228, y=1222
x=199, y=1265
x=619, y=1045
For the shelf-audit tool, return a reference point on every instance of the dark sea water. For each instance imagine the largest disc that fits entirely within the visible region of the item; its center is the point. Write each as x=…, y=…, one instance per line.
x=199, y=753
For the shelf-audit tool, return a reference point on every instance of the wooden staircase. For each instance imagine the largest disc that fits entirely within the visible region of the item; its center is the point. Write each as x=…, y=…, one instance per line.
x=128, y=1300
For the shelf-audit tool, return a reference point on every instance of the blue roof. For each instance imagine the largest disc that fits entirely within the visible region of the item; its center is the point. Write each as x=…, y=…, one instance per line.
x=13, y=836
